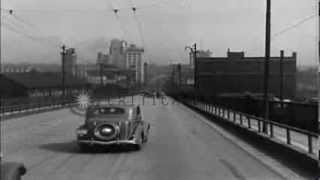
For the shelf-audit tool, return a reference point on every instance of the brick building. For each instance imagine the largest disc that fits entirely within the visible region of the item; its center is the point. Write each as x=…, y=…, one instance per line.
x=126, y=59
x=239, y=74
x=134, y=62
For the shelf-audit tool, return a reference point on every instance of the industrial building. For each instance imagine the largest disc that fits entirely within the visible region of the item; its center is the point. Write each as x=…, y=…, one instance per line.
x=239, y=74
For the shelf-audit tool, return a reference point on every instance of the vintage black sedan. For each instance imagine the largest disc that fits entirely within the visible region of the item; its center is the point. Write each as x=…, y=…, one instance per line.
x=112, y=125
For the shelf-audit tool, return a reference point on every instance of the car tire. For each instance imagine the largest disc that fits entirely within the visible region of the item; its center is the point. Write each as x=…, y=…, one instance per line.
x=137, y=147
x=85, y=147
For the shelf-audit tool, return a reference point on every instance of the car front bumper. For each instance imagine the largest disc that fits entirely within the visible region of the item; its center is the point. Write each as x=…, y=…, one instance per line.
x=114, y=142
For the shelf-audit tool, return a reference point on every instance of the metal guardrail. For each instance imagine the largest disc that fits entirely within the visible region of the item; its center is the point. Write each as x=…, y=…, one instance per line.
x=32, y=107
x=41, y=104
x=256, y=124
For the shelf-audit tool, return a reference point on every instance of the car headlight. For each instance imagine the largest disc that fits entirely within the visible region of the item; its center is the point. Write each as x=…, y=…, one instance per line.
x=82, y=132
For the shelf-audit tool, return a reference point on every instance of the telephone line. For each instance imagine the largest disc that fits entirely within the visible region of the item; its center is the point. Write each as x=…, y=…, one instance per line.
x=33, y=38
x=293, y=26
x=81, y=10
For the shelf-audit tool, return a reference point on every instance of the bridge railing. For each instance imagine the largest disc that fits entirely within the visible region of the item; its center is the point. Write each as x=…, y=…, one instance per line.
x=16, y=106
x=35, y=106
x=303, y=140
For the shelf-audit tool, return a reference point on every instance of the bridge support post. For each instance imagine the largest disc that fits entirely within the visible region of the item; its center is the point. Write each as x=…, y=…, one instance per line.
x=228, y=114
x=259, y=126
x=223, y=112
x=288, y=136
x=310, y=148
x=271, y=130
x=249, y=122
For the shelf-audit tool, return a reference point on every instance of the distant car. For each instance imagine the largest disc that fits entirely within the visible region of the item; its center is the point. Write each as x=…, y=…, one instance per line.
x=12, y=171
x=113, y=125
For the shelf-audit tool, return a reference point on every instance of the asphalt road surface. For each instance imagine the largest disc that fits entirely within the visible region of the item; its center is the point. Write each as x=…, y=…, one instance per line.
x=181, y=146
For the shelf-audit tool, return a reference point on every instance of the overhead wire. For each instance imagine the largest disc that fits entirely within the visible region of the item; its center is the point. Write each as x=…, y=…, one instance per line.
x=139, y=26
x=50, y=11
x=117, y=17
x=41, y=40
x=23, y=21
x=80, y=11
x=155, y=4
x=139, y=23
x=140, y=30
x=20, y=26
x=285, y=30
x=113, y=10
x=295, y=25
x=16, y=23
x=12, y=13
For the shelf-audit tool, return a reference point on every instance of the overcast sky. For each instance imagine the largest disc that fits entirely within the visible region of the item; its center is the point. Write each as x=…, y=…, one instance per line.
x=163, y=27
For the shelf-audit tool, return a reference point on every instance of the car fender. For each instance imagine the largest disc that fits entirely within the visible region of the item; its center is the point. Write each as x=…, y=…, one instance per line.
x=138, y=130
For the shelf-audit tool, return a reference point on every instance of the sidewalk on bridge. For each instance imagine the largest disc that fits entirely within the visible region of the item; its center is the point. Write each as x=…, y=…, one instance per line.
x=298, y=140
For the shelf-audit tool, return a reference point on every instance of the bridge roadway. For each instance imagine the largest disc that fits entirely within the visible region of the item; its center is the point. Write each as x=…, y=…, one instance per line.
x=182, y=145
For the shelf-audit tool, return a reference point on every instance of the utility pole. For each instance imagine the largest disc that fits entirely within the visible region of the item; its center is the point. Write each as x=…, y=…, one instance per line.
x=63, y=54
x=195, y=67
x=266, y=66
x=179, y=74
x=191, y=59
x=101, y=74
x=145, y=69
x=281, y=77
x=0, y=38
x=172, y=77
x=319, y=78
